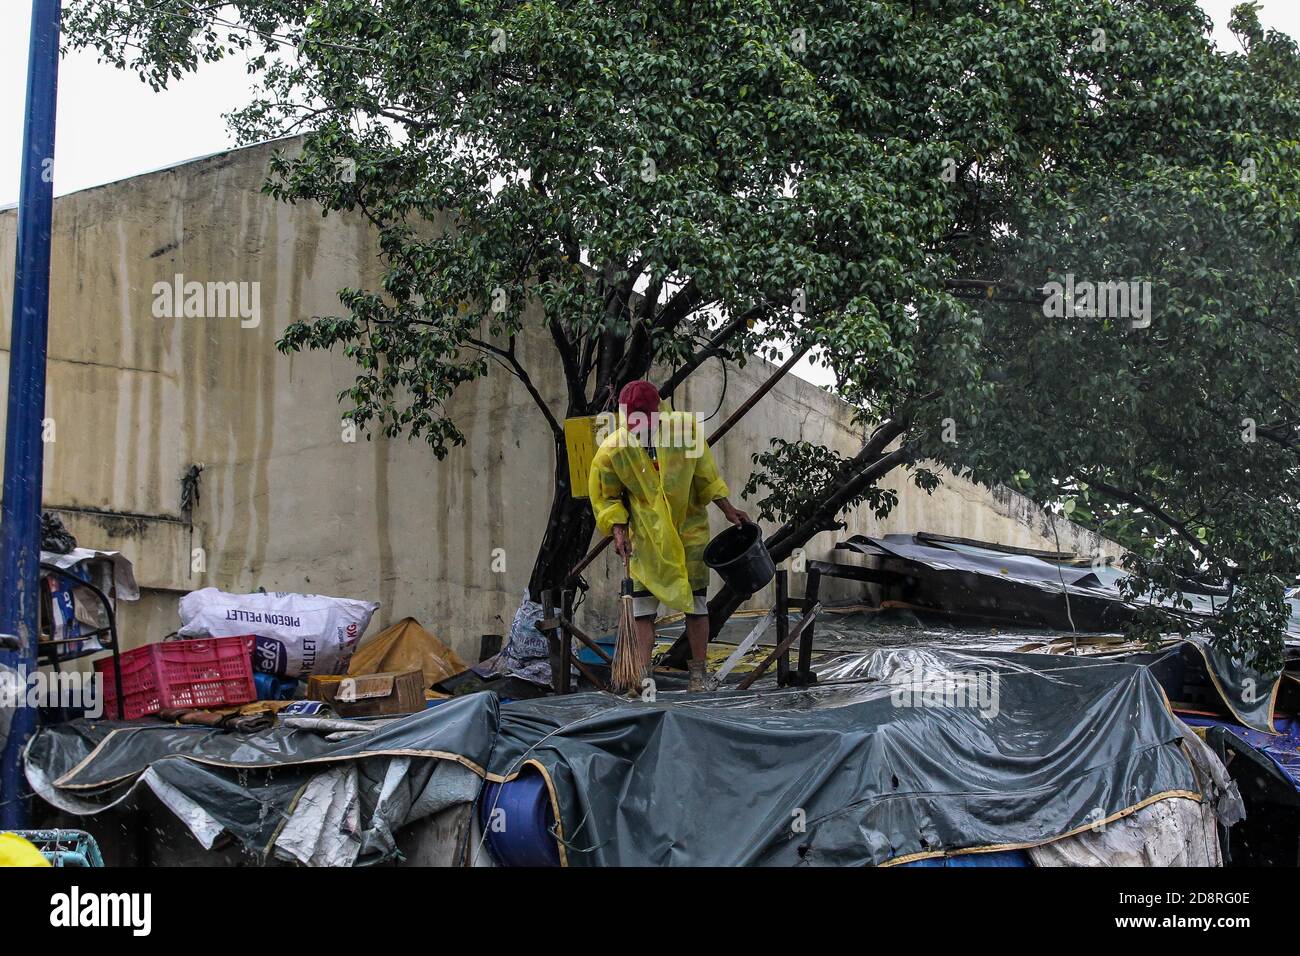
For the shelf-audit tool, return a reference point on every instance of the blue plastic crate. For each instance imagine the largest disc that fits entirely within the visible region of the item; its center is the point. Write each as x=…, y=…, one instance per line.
x=64, y=847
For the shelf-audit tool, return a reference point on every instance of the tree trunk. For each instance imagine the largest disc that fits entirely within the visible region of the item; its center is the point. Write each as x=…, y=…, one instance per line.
x=570, y=524
x=568, y=531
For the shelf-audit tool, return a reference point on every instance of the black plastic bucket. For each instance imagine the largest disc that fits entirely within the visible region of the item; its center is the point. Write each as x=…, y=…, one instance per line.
x=740, y=558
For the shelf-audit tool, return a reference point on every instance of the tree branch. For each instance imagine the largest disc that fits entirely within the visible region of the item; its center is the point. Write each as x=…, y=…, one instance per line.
x=509, y=357
x=790, y=536
x=1139, y=501
x=712, y=348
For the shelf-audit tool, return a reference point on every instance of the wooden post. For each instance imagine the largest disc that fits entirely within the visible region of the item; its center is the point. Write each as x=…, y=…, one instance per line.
x=808, y=617
x=805, y=676
x=489, y=645
x=566, y=642
x=782, y=626
x=592, y=677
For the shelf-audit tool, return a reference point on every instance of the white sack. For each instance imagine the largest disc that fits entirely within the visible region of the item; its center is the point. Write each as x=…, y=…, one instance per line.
x=298, y=635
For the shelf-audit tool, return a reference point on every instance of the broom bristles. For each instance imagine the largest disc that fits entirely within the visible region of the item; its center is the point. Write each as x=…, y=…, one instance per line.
x=625, y=672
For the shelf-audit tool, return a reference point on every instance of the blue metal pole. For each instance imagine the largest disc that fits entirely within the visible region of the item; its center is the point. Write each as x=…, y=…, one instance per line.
x=20, y=512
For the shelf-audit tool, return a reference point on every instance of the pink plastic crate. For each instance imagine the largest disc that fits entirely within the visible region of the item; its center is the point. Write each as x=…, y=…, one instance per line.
x=202, y=672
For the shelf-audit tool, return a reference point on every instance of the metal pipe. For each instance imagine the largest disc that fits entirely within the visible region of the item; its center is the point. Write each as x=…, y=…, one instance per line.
x=759, y=392
x=20, y=513
x=713, y=347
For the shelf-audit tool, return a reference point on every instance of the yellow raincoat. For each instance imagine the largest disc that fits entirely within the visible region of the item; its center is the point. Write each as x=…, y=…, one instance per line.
x=15, y=851
x=665, y=508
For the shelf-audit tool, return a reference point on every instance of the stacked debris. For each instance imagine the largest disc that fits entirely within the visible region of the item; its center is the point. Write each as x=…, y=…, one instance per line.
x=961, y=710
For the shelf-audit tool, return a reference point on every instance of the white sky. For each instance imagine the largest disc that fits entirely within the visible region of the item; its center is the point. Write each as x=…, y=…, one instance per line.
x=111, y=126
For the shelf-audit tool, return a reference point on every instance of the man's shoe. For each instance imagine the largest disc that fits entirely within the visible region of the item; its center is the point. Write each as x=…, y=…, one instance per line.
x=699, y=677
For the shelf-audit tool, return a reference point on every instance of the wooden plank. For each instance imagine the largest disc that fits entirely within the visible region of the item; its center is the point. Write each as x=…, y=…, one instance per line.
x=553, y=636
x=853, y=572
x=566, y=643
x=780, y=648
x=930, y=537
x=804, y=677
x=592, y=677
x=548, y=612
x=782, y=625
x=582, y=635
x=744, y=646
x=489, y=645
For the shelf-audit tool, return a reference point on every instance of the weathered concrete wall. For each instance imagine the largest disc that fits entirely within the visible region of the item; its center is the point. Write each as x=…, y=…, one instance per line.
x=285, y=503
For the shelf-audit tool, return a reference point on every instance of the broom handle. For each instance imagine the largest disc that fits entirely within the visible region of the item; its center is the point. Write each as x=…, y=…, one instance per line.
x=623, y=671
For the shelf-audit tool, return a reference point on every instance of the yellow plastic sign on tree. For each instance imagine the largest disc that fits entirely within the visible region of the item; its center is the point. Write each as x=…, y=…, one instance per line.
x=580, y=441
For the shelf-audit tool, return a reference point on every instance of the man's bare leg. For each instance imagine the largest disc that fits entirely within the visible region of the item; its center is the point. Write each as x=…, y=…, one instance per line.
x=697, y=633
x=645, y=641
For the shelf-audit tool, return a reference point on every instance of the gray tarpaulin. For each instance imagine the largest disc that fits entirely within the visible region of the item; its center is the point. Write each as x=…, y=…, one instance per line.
x=286, y=791
x=1249, y=693
x=863, y=772
x=1173, y=832
x=935, y=752
x=992, y=584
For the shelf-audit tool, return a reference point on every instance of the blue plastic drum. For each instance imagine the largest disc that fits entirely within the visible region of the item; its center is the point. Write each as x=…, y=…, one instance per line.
x=996, y=858
x=517, y=819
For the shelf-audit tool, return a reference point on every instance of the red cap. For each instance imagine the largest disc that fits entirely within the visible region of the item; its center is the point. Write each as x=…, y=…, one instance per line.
x=639, y=396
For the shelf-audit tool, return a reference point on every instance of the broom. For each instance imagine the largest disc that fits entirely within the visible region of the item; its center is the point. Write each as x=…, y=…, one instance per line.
x=625, y=671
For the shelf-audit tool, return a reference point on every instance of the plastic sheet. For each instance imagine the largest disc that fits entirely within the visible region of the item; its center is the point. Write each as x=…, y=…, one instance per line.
x=939, y=752
x=252, y=785
x=526, y=653
x=844, y=774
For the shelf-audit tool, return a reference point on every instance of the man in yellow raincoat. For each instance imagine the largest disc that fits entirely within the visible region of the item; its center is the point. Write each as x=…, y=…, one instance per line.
x=651, y=482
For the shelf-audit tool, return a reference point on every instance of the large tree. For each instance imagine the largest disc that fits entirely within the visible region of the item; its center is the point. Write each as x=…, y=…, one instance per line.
x=894, y=182
x=632, y=180
x=1175, y=431
x=1112, y=144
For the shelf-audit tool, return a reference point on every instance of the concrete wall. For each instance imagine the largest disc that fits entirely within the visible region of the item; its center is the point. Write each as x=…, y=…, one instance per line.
x=285, y=503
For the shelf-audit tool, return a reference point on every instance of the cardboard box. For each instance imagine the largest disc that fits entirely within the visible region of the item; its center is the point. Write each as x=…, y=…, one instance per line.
x=370, y=695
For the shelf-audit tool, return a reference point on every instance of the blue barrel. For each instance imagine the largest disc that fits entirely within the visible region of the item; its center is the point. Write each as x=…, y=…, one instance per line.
x=996, y=858
x=520, y=833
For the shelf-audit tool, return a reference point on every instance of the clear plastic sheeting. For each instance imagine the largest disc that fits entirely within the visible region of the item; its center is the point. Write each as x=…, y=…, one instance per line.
x=914, y=662
x=857, y=628
x=847, y=639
